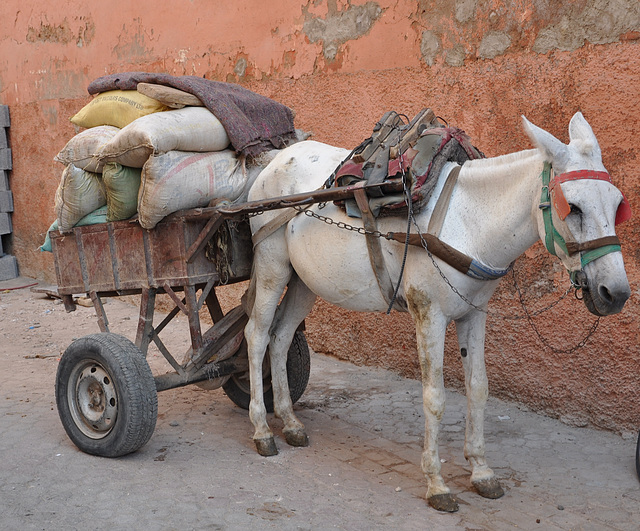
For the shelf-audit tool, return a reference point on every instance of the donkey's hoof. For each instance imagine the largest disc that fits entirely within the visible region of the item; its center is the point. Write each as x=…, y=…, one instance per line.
x=443, y=502
x=266, y=447
x=296, y=437
x=489, y=488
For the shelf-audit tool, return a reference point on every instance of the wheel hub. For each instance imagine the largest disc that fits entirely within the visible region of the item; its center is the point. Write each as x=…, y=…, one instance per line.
x=94, y=408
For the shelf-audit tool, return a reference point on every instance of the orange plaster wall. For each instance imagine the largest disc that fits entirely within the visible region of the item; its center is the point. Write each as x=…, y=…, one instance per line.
x=340, y=65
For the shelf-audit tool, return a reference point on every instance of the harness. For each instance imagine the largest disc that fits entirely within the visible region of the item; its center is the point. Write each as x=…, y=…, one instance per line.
x=552, y=195
x=420, y=151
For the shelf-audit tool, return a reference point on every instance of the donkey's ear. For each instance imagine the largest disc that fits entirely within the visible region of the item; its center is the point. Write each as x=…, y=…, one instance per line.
x=551, y=147
x=582, y=136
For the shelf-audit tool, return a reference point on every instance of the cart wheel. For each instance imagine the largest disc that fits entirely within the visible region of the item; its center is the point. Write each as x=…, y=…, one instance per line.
x=106, y=395
x=238, y=387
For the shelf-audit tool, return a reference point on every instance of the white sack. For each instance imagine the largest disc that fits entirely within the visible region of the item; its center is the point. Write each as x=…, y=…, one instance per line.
x=79, y=193
x=178, y=180
x=193, y=129
x=82, y=149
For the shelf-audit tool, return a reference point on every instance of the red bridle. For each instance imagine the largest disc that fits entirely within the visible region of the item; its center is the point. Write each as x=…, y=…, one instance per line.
x=560, y=202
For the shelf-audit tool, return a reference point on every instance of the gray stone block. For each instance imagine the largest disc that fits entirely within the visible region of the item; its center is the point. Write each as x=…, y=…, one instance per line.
x=6, y=201
x=8, y=267
x=4, y=180
x=5, y=121
x=5, y=159
x=1, y=247
x=5, y=223
x=3, y=138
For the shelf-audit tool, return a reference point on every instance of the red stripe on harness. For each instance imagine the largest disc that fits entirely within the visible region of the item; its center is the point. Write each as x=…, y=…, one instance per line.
x=560, y=202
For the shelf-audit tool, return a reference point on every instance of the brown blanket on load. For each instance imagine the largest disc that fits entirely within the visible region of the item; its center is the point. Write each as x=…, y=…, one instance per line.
x=254, y=123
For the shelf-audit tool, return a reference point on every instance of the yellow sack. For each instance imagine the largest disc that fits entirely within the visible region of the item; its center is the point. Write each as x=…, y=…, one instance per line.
x=117, y=108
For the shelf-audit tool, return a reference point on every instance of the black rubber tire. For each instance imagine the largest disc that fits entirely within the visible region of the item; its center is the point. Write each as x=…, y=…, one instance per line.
x=638, y=456
x=298, y=369
x=110, y=371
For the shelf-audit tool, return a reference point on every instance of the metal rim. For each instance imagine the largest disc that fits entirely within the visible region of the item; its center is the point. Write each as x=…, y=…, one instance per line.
x=93, y=400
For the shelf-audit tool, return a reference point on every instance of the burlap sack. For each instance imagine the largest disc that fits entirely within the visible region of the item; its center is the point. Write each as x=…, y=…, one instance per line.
x=82, y=149
x=79, y=193
x=192, y=129
x=121, y=185
x=116, y=107
x=178, y=180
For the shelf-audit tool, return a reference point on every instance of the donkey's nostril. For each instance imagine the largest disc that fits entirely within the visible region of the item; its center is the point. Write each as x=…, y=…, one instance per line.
x=605, y=294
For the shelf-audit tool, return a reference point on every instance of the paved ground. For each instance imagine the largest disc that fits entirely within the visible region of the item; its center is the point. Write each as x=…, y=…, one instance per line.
x=361, y=472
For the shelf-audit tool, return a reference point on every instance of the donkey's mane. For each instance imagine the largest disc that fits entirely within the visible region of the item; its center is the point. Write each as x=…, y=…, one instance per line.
x=502, y=167
x=508, y=159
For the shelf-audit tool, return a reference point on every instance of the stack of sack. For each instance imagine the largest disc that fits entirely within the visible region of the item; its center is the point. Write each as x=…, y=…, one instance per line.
x=137, y=155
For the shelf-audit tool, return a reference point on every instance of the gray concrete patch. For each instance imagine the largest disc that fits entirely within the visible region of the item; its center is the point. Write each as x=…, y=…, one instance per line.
x=361, y=472
x=340, y=27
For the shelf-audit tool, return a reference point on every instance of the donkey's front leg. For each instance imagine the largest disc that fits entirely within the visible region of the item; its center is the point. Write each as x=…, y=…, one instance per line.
x=430, y=333
x=471, y=333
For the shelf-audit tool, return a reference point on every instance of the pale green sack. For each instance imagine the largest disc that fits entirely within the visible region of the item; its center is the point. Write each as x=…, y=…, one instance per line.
x=121, y=185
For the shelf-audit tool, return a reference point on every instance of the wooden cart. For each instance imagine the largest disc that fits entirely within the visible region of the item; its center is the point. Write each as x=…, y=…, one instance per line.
x=105, y=391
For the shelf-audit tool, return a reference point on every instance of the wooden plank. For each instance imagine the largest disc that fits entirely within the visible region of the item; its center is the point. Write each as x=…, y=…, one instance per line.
x=203, y=238
x=67, y=263
x=144, y=332
x=171, y=97
x=301, y=199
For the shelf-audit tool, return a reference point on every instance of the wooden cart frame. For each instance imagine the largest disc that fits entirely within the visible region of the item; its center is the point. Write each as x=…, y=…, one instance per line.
x=105, y=391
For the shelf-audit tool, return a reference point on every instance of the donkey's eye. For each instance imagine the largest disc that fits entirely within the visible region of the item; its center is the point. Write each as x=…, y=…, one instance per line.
x=575, y=209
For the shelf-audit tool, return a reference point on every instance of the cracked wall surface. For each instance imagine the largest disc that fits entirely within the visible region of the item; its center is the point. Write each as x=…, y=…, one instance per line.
x=340, y=65
x=488, y=29
x=339, y=27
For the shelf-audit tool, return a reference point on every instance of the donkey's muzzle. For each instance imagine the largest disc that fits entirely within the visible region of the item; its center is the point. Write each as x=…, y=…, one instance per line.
x=604, y=300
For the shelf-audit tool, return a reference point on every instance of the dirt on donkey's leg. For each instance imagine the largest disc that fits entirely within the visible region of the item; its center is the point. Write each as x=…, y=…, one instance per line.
x=296, y=304
x=430, y=334
x=270, y=276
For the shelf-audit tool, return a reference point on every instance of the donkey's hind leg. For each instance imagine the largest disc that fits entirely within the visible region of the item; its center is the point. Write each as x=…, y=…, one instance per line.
x=270, y=275
x=471, y=332
x=296, y=304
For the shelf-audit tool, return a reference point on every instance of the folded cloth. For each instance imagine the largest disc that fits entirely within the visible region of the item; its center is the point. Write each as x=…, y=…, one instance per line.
x=254, y=123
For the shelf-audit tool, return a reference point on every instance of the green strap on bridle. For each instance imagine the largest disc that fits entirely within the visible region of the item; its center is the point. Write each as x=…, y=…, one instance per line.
x=594, y=254
x=552, y=237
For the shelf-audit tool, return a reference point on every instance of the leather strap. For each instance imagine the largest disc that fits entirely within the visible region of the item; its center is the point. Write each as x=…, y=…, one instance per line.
x=575, y=247
x=373, y=245
x=437, y=248
x=442, y=205
x=562, y=207
x=271, y=226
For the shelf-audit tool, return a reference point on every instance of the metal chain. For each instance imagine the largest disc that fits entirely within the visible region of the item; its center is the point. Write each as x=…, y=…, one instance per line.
x=443, y=276
x=541, y=310
x=339, y=224
x=544, y=340
x=527, y=314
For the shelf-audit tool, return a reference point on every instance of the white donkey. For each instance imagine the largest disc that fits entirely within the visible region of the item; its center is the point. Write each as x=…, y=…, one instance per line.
x=494, y=215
